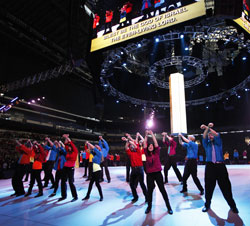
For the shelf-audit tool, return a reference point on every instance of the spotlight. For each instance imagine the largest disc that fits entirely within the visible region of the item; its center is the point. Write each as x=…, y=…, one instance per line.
x=157, y=40
x=182, y=36
x=117, y=101
x=149, y=123
x=124, y=64
x=239, y=97
x=105, y=85
x=33, y=101
x=148, y=83
x=244, y=58
x=43, y=98
x=139, y=45
x=122, y=53
x=38, y=99
x=207, y=107
x=1, y=94
x=29, y=103
x=207, y=85
x=184, y=69
x=246, y=90
x=186, y=48
x=110, y=61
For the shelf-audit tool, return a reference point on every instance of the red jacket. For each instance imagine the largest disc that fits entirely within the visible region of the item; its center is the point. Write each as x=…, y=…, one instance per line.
x=71, y=156
x=135, y=157
x=39, y=158
x=128, y=7
x=25, y=154
x=96, y=21
x=109, y=16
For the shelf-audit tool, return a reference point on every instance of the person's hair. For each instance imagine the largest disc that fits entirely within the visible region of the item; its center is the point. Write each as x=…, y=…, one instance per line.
x=150, y=152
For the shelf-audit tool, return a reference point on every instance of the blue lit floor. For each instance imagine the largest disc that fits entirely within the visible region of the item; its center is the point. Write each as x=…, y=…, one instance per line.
x=116, y=208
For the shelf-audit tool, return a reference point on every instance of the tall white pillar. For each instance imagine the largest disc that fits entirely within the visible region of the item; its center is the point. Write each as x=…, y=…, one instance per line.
x=177, y=103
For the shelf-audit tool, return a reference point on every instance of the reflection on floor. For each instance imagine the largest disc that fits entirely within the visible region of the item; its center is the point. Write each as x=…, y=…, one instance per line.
x=116, y=208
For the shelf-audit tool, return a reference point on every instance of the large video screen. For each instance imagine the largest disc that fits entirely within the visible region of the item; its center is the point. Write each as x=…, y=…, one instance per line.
x=244, y=20
x=132, y=19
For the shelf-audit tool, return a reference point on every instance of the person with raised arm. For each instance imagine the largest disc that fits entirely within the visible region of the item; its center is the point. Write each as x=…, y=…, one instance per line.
x=60, y=160
x=17, y=180
x=96, y=175
x=137, y=174
x=50, y=161
x=105, y=150
x=140, y=143
x=39, y=157
x=215, y=169
x=153, y=170
x=191, y=163
x=171, y=159
x=69, y=169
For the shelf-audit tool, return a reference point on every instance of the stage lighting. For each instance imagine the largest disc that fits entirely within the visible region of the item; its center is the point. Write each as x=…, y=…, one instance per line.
x=33, y=101
x=29, y=103
x=124, y=64
x=110, y=61
x=148, y=83
x=239, y=96
x=139, y=45
x=105, y=85
x=207, y=85
x=157, y=40
x=117, y=101
x=43, y=98
x=1, y=94
x=207, y=107
x=122, y=53
x=182, y=36
x=38, y=99
x=244, y=58
x=13, y=100
x=149, y=123
x=184, y=69
x=186, y=48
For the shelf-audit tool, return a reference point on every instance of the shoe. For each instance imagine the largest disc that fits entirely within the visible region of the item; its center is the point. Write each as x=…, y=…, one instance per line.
x=14, y=194
x=52, y=195
x=19, y=194
x=148, y=210
x=101, y=180
x=170, y=211
x=85, y=198
x=134, y=199
x=38, y=195
x=74, y=199
x=44, y=186
x=101, y=199
x=27, y=194
x=87, y=179
x=60, y=199
x=109, y=181
x=205, y=209
x=183, y=191
x=202, y=192
x=235, y=210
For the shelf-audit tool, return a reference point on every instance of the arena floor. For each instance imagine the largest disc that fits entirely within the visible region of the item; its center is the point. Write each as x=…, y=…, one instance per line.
x=117, y=209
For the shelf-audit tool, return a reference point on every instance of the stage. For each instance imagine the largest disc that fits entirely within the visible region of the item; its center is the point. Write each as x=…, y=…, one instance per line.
x=117, y=209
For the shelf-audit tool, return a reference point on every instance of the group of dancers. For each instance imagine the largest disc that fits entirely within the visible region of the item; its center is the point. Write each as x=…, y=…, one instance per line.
x=144, y=156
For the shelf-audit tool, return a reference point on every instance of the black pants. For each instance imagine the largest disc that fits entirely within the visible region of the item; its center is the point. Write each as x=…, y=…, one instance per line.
x=171, y=161
x=28, y=171
x=90, y=165
x=17, y=179
x=105, y=165
x=137, y=174
x=36, y=175
x=95, y=178
x=218, y=172
x=68, y=174
x=85, y=164
x=191, y=169
x=128, y=166
x=107, y=27
x=59, y=174
x=48, y=173
x=158, y=178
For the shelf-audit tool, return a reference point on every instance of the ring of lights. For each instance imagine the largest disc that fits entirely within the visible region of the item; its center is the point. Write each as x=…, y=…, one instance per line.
x=197, y=33
x=177, y=61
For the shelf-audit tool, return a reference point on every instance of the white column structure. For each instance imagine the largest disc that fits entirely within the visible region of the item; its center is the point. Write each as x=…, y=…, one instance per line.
x=177, y=104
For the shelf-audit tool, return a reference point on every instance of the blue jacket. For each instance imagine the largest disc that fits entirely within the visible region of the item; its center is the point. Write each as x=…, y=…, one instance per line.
x=97, y=156
x=192, y=149
x=53, y=152
x=207, y=144
x=105, y=149
x=61, y=152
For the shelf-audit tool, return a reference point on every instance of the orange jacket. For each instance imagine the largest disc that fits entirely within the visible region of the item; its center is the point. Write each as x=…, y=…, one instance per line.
x=25, y=154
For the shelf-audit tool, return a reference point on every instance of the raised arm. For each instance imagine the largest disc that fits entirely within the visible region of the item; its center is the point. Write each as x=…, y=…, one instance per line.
x=90, y=146
x=67, y=139
x=145, y=143
x=184, y=138
x=127, y=142
x=154, y=138
x=164, y=134
x=208, y=129
x=180, y=139
x=49, y=141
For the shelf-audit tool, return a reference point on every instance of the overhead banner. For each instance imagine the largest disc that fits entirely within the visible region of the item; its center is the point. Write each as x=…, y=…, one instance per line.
x=244, y=20
x=142, y=27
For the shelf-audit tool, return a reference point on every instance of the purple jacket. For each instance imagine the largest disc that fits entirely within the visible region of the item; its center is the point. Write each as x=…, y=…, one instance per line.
x=153, y=163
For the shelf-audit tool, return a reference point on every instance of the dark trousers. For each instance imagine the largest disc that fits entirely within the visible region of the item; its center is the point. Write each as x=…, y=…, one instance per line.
x=128, y=166
x=95, y=178
x=48, y=173
x=59, y=174
x=158, y=178
x=191, y=169
x=36, y=175
x=107, y=27
x=105, y=165
x=68, y=174
x=17, y=179
x=28, y=171
x=85, y=164
x=90, y=164
x=218, y=172
x=171, y=161
x=137, y=174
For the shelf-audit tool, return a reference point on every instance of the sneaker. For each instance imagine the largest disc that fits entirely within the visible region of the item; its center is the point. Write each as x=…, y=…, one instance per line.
x=14, y=194
x=109, y=181
x=61, y=199
x=74, y=199
x=170, y=211
x=52, y=195
x=27, y=194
